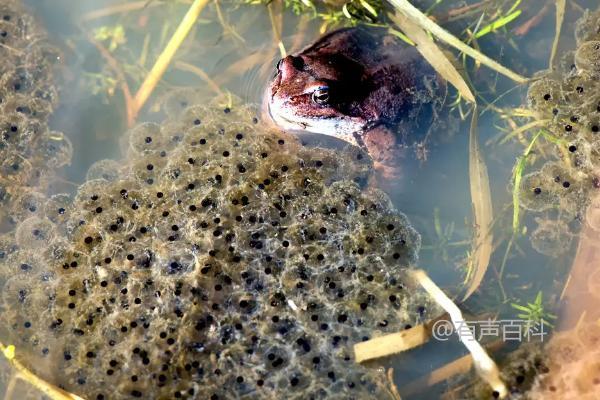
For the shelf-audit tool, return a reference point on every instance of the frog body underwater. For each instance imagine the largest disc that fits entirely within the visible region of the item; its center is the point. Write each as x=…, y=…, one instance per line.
x=361, y=85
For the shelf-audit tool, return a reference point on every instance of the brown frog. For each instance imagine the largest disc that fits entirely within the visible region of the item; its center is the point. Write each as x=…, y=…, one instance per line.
x=361, y=85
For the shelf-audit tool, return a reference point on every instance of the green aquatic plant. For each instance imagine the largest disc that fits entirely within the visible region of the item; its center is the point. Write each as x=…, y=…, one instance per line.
x=518, y=175
x=100, y=84
x=511, y=15
x=444, y=239
x=534, y=313
x=114, y=35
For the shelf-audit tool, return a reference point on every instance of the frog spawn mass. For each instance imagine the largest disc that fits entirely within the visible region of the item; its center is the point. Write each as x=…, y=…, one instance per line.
x=569, y=102
x=219, y=260
x=30, y=152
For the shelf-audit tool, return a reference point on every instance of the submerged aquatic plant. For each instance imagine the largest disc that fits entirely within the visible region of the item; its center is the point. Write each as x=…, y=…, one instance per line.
x=534, y=313
x=445, y=239
x=114, y=35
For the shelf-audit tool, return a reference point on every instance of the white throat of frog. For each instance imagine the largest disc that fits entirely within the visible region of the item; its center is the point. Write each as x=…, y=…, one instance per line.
x=341, y=128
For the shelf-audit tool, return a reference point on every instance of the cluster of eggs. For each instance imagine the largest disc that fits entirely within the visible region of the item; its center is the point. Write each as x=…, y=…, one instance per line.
x=218, y=259
x=566, y=188
x=568, y=105
x=29, y=150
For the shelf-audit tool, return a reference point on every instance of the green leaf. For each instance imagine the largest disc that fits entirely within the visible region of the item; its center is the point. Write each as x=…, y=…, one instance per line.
x=519, y=307
x=497, y=24
x=368, y=7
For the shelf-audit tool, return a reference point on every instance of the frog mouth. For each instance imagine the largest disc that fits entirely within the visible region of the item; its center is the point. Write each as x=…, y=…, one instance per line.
x=277, y=113
x=278, y=118
x=326, y=126
x=287, y=121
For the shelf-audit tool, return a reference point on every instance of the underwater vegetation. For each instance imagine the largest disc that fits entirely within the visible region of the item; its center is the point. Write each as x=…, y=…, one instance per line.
x=218, y=259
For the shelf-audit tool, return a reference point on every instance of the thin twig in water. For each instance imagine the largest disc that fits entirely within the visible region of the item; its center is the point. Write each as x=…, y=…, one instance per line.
x=276, y=25
x=182, y=65
x=10, y=388
x=461, y=12
x=119, y=9
x=167, y=55
x=393, y=388
x=560, y=15
x=532, y=22
x=25, y=374
x=461, y=365
x=227, y=28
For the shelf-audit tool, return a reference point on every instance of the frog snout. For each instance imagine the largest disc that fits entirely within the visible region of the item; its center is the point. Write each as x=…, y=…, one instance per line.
x=289, y=66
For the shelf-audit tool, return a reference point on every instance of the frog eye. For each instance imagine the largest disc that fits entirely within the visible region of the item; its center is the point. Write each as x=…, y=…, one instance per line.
x=278, y=64
x=321, y=95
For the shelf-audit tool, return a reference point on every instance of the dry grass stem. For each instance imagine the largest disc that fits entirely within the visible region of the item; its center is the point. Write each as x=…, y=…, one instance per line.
x=167, y=55
x=524, y=128
x=182, y=65
x=560, y=16
x=424, y=22
x=393, y=343
x=53, y=392
x=432, y=53
x=119, y=9
x=485, y=366
x=481, y=199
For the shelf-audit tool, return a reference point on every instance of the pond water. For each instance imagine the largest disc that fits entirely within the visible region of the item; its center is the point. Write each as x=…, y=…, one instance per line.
x=234, y=45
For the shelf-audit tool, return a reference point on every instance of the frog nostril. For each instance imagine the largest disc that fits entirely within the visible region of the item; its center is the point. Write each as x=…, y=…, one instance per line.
x=297, y=62
x=289, y=66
